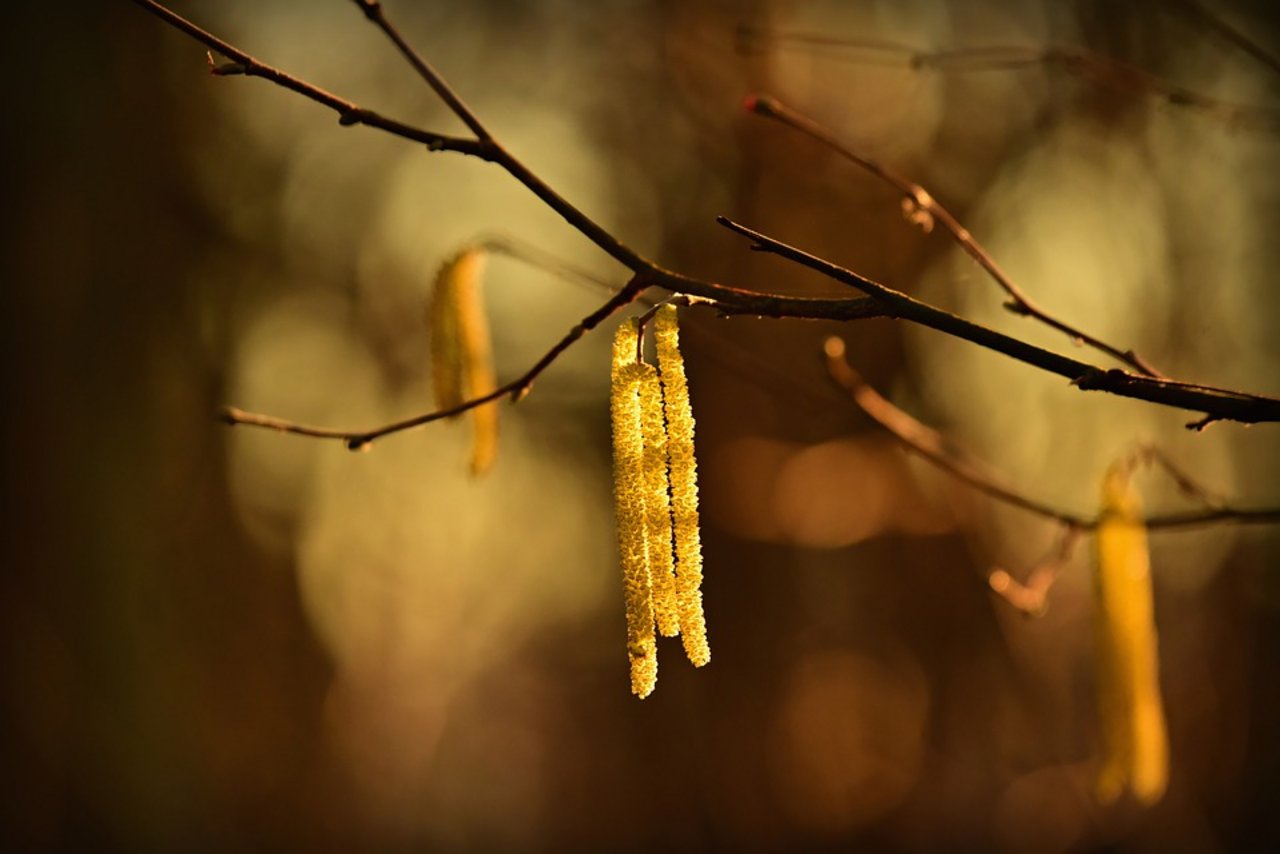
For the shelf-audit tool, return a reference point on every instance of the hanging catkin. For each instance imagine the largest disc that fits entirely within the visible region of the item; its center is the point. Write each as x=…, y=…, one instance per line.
x=684, y=487
x=1135, y=743
x=461, y=354
x=658, y=503
x=629, y=489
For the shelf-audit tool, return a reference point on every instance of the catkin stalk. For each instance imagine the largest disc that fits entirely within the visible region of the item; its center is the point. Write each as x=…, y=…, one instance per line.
x=684, y=487
x=1135, y=740
x=461, y=352
x=629, y=502
x=658, y=503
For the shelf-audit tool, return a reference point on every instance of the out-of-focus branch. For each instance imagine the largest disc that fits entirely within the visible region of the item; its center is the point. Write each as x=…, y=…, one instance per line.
x=923, y=208
x=1031, y=597
x=1228, y=32
x=1219, y=403
x=1088, y=65
x=928, y=443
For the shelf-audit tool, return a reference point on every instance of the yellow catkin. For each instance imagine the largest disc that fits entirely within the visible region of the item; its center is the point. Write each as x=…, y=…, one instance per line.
x=658, y=503
x=684, y=487
x=1135, y=740
x=629, y=503
x=461, y=353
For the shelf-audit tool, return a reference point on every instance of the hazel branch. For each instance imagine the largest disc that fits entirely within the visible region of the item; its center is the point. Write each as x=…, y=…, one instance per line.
x=1087, y=65
x=919, y=202
x=1031, y=597
x=516, y=389
x=242, y=64
x=373, y=11
x=930, y=445
x=1219, y=402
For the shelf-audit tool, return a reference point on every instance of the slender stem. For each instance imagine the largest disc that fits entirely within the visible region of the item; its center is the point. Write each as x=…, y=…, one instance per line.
x=922, y=201
x=1231, y=34
x=1032, y=596
x=517, y=388
x=373, y=11
x=929, y=444
x=348, y=113
x=1222, y=403
x=1084, y=64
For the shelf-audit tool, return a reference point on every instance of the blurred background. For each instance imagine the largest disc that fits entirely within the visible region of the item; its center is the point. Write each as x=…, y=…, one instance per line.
x=218, y=638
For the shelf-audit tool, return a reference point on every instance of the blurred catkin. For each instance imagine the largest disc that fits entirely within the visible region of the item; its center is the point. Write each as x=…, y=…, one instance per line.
x=1135, y=742
x=461, y=352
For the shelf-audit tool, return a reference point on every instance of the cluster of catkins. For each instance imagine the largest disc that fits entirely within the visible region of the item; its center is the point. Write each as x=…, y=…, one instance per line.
x=656, y=498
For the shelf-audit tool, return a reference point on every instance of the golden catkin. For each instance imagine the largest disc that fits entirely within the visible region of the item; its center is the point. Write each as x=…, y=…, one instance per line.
x=684, y=487
x=461, y=353
x=658, y=503
x=1135, y=740
x=629, y=504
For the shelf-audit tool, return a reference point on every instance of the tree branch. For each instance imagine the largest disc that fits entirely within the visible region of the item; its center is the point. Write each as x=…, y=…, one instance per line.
x=929, y=444
x=348, y=113
x=1079, y=62
x=922, y=202
x=517, y=388
x=1218, y=402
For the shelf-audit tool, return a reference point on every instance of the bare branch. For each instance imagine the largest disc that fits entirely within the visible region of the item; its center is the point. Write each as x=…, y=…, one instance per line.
x=1031, y=597
x=1230, y=33
x=922, y=202
x=348, y=113
x=517, y=388
x=1221, y=403
x=929, y=444
x=1215, y=403
x=1086, y=64
x=373, y=11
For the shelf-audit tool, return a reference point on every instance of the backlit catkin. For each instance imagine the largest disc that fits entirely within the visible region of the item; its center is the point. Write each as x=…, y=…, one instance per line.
x=461, y=353
x=1135, y=749
x=658, y=503
x=684, y=487
x=629, y=488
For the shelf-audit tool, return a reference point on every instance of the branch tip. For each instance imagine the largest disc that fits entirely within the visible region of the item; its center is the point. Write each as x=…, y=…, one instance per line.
x=762, y=105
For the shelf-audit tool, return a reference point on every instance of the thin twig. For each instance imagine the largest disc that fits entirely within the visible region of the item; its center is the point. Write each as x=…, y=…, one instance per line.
x=516, y=389
x=373, y=11
x=548, y=262
x=1223, y=403
x=929, y=444
x=1231, y=34
x=1032, y=596
x=923, y=202
x=1086, y=64
x=348, y=113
